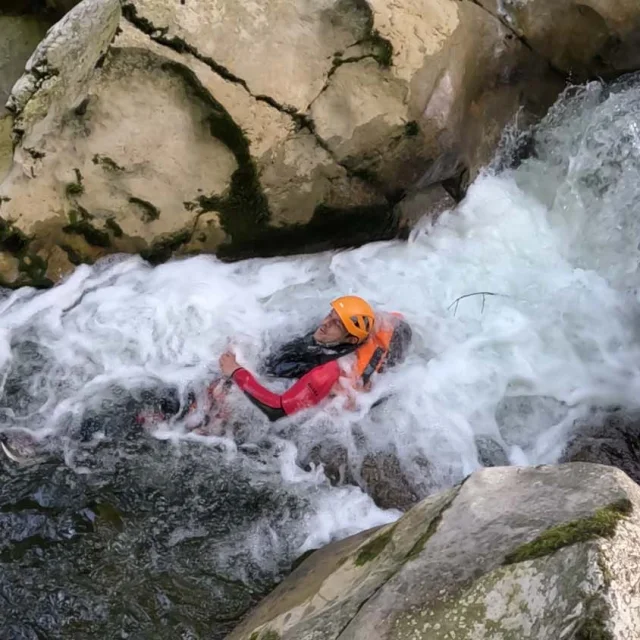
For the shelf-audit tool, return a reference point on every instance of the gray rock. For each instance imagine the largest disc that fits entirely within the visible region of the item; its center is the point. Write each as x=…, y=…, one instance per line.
x=546, y=552
x=614, y=441
x=490, y=452
x=383, y=478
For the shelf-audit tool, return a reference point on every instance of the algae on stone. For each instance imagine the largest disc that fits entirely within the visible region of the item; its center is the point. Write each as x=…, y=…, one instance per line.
x=601, y=524
x=372, y=549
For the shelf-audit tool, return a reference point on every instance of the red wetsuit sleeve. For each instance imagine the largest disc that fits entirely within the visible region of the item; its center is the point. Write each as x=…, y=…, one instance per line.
x=311, y=389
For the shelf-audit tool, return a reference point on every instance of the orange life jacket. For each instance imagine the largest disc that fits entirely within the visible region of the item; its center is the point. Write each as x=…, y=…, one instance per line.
x=371, y=356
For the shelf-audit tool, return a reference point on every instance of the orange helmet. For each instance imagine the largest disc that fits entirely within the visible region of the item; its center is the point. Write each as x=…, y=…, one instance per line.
x=356, y=315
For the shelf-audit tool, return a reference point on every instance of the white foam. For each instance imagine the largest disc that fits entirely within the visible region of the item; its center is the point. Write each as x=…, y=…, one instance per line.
x=557, y=239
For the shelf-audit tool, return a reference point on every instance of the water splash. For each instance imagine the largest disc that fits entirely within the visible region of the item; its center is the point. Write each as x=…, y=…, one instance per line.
x=556, y=237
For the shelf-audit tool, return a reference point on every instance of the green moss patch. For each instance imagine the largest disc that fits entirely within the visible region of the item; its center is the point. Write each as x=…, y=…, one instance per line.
x=107, y=163
x=80, y=224
x=417, y=548
x=161, y=250
x=374, y=548
x=383, y=49
x=12, y=239
x=74, y=256
x=269, y=634
x=31, y=266
x=74, y=189
x=114, y=227
x=34, y=267
x=411, y=129
x=149, y=211
x=602, y=523
x=93, y=236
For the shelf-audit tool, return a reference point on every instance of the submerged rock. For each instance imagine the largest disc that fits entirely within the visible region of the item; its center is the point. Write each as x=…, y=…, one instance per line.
x=138, y=538
x=490, y=452
x=334, y=459
x=546, y=552
x=384, y=479
x=379, y=474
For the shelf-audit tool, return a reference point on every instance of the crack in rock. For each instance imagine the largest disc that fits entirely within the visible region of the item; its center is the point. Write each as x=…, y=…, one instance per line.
x=504, y=20
x=177, y=44
x=159, y=35
x=338, y=62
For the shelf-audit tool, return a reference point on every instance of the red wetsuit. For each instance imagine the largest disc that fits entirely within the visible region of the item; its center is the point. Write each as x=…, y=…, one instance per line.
x=308, y=391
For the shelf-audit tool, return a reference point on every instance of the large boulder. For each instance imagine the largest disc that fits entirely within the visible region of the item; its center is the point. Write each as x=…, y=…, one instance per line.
x=169, y=128
x=584, y=38
x=546, y=552
x=394, y=92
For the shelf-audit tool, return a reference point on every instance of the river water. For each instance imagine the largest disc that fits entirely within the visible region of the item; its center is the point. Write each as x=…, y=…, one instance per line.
x=107, y=532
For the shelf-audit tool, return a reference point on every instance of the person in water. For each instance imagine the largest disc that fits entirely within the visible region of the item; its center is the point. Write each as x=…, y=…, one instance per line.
x=342, y=356
x=352, y=344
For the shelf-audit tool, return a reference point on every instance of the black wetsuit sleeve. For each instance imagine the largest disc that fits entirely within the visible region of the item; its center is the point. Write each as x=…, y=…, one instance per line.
x=399, y=345
x=272, y=413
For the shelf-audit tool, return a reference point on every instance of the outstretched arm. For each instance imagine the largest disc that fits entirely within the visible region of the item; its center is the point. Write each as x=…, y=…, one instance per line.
x=307, y=392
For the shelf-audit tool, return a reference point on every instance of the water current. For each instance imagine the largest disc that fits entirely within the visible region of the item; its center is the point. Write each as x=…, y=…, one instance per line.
x=525, y=313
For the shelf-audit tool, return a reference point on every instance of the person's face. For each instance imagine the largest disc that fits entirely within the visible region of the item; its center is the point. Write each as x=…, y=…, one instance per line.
x=332, y=331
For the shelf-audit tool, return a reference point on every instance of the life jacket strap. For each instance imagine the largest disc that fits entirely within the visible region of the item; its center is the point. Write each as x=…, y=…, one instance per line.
x=373, y=364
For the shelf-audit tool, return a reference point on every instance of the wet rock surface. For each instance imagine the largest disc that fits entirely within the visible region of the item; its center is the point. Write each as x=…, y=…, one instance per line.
x=135, y=537
x=614, y=441
x=544, y=552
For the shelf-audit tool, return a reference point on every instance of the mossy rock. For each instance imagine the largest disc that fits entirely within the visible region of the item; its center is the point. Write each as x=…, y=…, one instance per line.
x=603, y=523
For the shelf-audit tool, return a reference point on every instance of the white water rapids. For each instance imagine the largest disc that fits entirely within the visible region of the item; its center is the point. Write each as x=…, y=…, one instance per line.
x=555, y=239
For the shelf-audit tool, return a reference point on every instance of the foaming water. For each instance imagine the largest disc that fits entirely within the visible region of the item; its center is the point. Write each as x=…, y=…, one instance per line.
x=523, y=303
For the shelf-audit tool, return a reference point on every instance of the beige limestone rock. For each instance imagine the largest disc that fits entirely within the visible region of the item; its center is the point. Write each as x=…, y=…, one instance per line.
x=9, y=272
x=118, y=162
x=275, y=125
x=280, y=49
x=58, y=263
x=207, y=236
x=296, y=173
x=456, y=77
